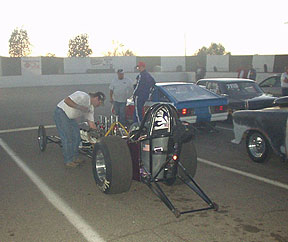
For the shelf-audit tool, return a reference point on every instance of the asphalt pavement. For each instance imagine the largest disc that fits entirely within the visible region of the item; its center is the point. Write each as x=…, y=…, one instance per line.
x=42, y=200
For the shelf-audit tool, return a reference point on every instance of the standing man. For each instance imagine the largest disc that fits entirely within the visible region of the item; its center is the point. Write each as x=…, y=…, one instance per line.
x=145, y=82
x=284, y=82
x=251, y=73
x=200, y=72
x=242, y=73
x=121, y=89
x=76, y=105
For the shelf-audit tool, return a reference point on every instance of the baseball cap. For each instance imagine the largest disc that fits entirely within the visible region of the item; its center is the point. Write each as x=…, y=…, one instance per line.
x=141, y=63
x=101, y=96
x=120, y=71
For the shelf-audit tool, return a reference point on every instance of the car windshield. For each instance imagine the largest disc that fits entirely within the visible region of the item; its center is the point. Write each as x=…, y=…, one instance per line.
x=185, y=92
x=237, y=89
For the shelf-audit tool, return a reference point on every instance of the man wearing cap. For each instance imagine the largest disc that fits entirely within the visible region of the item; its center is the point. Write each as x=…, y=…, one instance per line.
x=78, y=104
x=121, y=88
x=145, y=82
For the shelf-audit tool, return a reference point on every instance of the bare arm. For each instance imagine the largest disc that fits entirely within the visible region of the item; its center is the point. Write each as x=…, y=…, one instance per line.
x=111, y=96
x=92, y=125
x=72, y=104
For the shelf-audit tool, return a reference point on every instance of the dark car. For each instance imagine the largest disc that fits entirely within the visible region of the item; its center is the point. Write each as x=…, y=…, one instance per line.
x=193, y=103
x=242, y=94
x=263, y=130
x=272, y=85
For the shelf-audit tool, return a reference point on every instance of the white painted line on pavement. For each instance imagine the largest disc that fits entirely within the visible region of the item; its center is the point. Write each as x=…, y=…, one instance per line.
x=243, y=173
x=25, y=129
x=75, y=219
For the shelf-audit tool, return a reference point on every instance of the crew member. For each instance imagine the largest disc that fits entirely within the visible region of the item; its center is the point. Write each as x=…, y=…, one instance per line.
x=121, y=88
x=145, y=82
x=284, y=82
x=78, y=104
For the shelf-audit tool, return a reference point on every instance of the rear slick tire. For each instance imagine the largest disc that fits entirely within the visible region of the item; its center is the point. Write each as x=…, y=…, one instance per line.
x=188, y=158
x=112, y=165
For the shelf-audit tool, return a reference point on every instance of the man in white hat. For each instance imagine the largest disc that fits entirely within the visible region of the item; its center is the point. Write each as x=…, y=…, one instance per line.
x=121, y=88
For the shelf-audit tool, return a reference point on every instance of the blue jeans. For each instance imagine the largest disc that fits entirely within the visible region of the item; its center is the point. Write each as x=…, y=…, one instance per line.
x=119, y=109
x=69, y=133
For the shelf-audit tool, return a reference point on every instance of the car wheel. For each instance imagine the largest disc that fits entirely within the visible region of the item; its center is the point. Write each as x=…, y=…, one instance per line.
x=258, y=147
x=42, y=138
x=188, y=158
x=112, y=165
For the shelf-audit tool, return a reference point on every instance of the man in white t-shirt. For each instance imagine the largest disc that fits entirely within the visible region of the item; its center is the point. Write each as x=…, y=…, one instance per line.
x=121, y=88
x=78, y=104
x=284, y=82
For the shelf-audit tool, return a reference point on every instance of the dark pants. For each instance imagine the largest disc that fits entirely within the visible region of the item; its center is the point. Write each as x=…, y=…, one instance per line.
x=119, y=109
x=69, y=133
x=138, y=112
x=284, y=91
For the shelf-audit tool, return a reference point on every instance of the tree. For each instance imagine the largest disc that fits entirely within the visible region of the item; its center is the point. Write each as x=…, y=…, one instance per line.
x=213, y=49
x=119, y=50
x=50, y=55
x=19, y=44
x=79, y=46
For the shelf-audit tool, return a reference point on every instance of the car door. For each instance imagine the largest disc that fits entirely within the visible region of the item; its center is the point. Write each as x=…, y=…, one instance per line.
x=272, y=86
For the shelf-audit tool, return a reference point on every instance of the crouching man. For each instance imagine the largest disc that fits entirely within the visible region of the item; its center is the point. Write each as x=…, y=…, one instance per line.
x=78, y=104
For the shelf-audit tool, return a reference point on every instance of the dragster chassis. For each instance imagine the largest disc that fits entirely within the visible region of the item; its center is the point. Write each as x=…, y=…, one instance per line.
x=149, y=154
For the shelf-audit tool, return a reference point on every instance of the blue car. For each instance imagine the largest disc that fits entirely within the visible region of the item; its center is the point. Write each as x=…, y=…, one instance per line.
x=194, y=103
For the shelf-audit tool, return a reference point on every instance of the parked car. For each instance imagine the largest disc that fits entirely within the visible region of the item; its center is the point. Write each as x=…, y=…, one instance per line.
x=193, y=103
x=263, y=130
x=241, y=93
x=272, y=85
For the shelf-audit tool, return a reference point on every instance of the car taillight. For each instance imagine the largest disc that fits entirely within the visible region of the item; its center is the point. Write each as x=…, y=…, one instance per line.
x=186, y=112
x=218, y=109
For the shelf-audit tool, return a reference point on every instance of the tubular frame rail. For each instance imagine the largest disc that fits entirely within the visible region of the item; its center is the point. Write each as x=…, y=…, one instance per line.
x=153, y=184
x=147, y=176
x=105, y=127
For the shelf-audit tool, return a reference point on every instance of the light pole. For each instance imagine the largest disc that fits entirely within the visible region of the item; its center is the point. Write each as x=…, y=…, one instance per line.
x=185, y=44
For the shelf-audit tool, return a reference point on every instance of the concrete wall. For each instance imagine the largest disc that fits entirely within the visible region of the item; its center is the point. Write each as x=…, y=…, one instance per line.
x=172, y=63
x=52, y=65
x=31, y=66
x=127, y=63
x=78, y=79
x=26, y=71
x=260, y=60
x=76, y=65
x=220, y=62
x=98, y=64
x=105, y=78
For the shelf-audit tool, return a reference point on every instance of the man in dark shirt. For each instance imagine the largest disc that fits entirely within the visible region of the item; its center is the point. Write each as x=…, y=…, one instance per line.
x=145, y=82
x=251, y=73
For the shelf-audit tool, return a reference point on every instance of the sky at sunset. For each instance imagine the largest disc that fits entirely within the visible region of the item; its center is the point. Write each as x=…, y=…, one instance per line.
x=151, y=27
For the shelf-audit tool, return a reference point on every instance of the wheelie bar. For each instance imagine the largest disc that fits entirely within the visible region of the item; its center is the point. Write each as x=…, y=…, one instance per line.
x=156, y=189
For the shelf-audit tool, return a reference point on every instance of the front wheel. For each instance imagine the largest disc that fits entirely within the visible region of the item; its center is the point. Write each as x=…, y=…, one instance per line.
x=258, y=147
x=112, y=165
